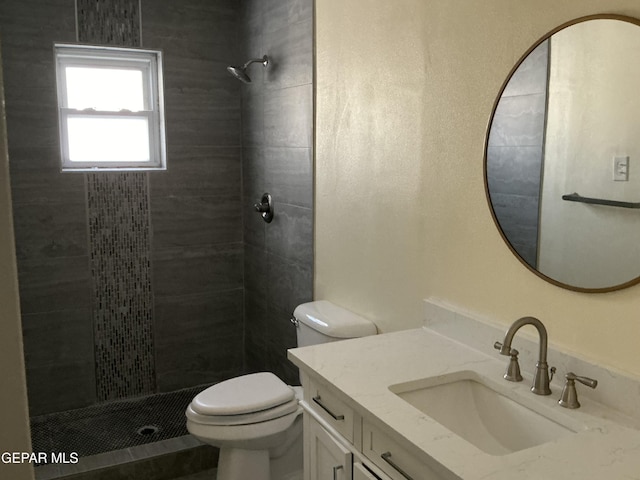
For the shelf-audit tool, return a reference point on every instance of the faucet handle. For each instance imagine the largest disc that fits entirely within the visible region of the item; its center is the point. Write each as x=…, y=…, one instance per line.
x=589, y=382
x=513, y=368
x=569, y=397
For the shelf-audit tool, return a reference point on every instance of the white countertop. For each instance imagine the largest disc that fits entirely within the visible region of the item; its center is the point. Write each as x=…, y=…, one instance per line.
x=363, y=369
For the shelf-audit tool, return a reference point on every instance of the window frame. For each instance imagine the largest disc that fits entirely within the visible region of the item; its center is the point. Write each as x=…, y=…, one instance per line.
x=149, y=62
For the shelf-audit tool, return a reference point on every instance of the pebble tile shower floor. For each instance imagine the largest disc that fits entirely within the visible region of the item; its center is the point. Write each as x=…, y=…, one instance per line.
x=114, y=425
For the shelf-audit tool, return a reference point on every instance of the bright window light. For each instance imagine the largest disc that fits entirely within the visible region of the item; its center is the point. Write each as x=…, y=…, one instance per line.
x=110, y=105
x=94, y=139
x=104, y=89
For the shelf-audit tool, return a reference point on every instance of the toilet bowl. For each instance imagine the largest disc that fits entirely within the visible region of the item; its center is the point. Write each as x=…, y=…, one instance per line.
x=255, y=419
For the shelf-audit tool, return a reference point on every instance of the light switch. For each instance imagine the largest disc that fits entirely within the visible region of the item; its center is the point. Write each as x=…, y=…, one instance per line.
x=621, y=169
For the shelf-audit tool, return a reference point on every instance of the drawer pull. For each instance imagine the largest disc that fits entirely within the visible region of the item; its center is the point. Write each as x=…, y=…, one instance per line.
x=386, y=456
x=318, y=400
x=335, y=471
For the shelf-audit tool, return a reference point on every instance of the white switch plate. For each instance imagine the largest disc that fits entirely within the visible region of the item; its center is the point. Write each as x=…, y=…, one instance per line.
x=621, y=169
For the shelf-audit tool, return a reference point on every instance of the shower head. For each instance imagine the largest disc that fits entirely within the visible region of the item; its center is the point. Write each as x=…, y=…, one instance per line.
x=240, y=72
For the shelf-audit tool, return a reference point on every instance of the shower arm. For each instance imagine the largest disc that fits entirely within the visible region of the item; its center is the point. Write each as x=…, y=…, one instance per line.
x=264, y=61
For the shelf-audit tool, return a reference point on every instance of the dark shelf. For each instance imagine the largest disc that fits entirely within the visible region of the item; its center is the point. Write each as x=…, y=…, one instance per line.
x=574, y=197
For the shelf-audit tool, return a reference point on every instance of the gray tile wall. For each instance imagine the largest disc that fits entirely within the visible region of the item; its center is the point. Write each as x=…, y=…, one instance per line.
x=49, y=212
x=277, y=139
x=196, y=210
x=515, y=154
x=196, y=214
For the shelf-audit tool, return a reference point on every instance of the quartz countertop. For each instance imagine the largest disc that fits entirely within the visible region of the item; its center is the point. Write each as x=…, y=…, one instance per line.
x=606, y=445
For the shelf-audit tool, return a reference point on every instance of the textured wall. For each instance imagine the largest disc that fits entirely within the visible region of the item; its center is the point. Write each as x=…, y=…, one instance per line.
x=277, y=114
x=410, y=142
x=374, y=107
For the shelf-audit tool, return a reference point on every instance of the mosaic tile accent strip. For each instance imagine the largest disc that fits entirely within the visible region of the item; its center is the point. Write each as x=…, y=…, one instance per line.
x=114, y=425
x=119, y=243
x=119, y=238
x=109, y=22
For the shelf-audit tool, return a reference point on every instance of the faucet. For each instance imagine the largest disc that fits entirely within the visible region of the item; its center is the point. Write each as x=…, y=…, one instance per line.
x=541, y=378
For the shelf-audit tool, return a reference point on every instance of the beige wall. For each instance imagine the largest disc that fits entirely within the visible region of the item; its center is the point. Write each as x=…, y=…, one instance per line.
x=14, y=419
x=404, y=94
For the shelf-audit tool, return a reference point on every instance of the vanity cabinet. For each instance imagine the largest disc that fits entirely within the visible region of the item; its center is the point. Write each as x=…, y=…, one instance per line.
x=340, y=445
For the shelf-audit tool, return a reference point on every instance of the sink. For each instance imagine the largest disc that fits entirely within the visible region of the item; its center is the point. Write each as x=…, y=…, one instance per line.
x=469, y=406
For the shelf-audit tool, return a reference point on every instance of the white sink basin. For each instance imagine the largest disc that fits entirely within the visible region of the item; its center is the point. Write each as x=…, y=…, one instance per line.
x=464, y=403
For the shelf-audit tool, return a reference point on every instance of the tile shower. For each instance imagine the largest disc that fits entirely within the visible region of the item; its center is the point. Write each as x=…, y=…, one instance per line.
x=140, y=283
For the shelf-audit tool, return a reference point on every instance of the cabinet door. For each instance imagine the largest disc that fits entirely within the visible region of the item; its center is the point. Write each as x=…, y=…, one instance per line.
x=328, y=459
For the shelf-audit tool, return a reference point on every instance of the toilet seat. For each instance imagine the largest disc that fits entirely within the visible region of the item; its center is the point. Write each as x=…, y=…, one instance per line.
x=243, y=419
x=243, y=395
x=245, y=400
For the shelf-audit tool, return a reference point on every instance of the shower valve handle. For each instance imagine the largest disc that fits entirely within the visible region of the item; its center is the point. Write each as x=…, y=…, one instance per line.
x=265, y=208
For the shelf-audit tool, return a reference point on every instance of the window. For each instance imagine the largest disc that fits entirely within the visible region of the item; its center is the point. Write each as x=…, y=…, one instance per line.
x=110, y=104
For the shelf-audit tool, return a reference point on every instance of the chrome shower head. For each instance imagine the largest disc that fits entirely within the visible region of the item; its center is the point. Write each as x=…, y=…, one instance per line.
x=240, y=72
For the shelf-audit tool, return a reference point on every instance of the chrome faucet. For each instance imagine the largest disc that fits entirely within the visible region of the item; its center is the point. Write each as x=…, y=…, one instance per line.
x=541, y=378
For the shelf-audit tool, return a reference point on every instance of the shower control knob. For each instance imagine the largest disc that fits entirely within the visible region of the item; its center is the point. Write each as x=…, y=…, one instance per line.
x=265, y=208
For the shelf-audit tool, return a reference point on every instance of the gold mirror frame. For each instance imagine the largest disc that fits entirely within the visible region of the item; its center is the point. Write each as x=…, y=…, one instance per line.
x=574, y=288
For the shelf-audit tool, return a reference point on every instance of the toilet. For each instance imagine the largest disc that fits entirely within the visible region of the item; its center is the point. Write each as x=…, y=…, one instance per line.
x=255, y=419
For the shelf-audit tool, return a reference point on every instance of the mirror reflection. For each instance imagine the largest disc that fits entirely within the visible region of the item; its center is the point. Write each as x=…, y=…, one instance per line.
x=566, y=123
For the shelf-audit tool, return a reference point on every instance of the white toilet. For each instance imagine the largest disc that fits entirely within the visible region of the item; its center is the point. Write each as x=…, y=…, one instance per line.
x=255, y=419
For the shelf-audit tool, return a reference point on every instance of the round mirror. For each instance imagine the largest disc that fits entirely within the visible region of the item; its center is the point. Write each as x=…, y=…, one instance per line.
x=562, y=157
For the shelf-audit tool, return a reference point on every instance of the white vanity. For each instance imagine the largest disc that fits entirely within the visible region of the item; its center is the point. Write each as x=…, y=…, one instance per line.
x=431, y=404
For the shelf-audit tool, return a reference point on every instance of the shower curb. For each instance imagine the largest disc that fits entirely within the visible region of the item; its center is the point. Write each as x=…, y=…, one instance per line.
x=164, y=460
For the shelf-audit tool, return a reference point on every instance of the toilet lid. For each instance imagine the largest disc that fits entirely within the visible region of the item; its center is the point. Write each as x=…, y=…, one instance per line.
x=252, y=418
x=241, y=395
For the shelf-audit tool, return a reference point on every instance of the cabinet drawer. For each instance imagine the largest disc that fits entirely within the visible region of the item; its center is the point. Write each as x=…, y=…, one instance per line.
x=392, y=458
x=331, y=409
x=360, y=472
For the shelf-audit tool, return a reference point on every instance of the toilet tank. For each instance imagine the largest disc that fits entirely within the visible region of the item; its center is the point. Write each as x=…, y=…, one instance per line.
x=322, y=321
